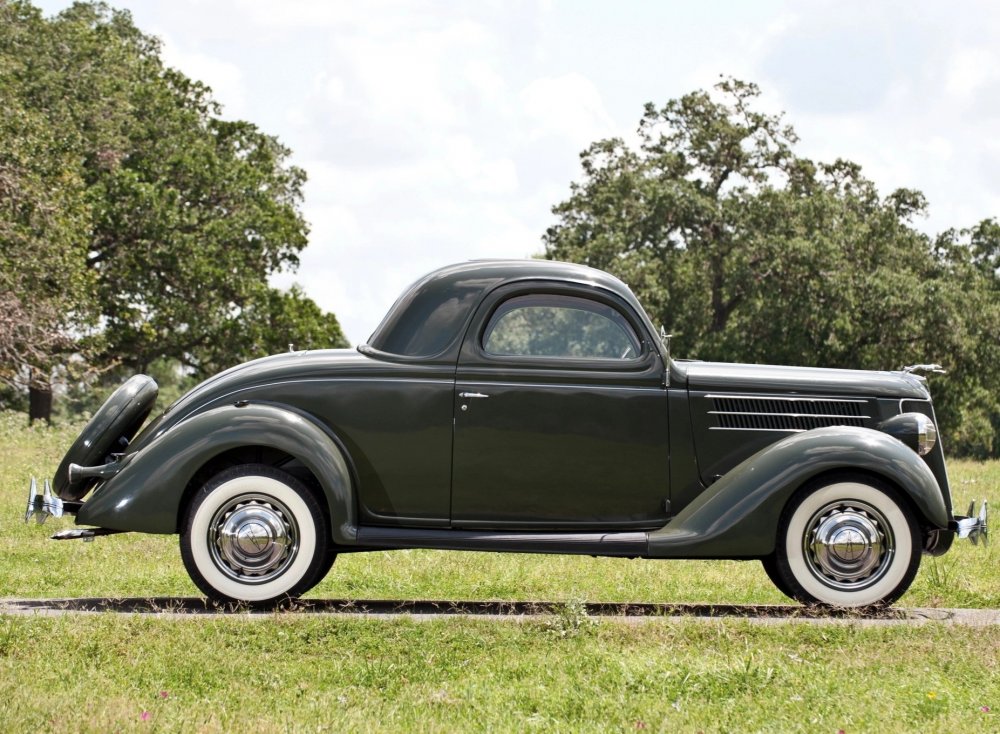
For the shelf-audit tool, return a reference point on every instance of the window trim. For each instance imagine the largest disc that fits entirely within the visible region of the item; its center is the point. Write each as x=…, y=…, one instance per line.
x=597, y=306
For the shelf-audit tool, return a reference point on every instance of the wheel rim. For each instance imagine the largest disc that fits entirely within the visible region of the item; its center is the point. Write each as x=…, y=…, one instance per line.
x=848, y=545
x=253, y=539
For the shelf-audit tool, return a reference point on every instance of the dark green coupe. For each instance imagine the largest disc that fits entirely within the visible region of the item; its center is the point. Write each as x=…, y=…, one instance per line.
x=522, y=406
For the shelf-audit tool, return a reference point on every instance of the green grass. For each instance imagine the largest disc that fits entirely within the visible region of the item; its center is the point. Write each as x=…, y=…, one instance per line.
x=146, y=565
x=292, y=673
x=288, y=672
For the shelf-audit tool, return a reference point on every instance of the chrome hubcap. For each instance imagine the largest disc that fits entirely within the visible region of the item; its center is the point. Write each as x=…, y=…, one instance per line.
x=848, y=545
x=253, y=538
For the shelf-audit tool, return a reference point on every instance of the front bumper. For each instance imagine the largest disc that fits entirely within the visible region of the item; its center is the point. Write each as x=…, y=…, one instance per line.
x=974, y=527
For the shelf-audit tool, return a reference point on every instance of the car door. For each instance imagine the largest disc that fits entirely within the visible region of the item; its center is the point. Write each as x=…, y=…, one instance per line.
x=560, y=414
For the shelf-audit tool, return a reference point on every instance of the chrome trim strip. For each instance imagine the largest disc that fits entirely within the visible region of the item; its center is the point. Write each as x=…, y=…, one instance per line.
x=813, y=399
x=788, y=415
x=777, y=430
x=559, y=385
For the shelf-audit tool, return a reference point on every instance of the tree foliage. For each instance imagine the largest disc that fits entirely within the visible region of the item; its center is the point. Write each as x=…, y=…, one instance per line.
x=44, y=283
x=137, y=224
x=749, y=252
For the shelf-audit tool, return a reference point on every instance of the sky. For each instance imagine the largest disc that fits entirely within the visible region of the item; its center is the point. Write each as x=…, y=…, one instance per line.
x=436, y=132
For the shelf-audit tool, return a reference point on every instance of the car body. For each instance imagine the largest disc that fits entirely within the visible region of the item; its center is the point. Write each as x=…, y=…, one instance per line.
x=523, y=406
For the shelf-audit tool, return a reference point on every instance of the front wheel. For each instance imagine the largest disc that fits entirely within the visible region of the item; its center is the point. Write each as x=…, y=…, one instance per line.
x=847, y=543
x=255, y=534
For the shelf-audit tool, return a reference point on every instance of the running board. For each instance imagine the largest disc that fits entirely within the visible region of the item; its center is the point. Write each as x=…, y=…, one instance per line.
x=597, y=544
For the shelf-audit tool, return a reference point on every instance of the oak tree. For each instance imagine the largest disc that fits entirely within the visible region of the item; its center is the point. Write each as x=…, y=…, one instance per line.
x=750, y=252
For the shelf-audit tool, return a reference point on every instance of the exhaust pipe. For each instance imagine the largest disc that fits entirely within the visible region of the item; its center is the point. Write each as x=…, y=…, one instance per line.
x=104, y=471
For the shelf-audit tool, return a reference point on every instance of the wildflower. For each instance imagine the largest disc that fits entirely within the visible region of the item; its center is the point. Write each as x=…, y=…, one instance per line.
x=984, y=709
x=164, y=694
x=931, y=695
x=144, y=716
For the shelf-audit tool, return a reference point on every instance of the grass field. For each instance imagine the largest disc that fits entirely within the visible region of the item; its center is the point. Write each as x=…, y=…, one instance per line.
x=286, y=673
x=570, y=673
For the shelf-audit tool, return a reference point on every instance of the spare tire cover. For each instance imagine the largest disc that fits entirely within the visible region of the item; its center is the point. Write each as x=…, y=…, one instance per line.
x=109, y=431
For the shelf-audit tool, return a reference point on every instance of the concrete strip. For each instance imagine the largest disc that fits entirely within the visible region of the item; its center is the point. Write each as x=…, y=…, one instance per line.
x=188, y=607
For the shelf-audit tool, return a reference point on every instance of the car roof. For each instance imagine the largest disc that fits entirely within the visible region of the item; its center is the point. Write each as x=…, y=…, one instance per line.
x=429, y=315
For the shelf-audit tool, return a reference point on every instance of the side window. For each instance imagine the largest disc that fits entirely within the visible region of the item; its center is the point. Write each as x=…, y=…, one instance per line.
x=561, y=327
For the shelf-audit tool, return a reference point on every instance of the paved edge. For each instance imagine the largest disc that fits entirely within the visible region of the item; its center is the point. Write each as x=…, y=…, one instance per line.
x=188, y=608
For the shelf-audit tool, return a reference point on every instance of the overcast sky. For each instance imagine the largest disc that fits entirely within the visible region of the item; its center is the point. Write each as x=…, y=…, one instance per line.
x=434, y=132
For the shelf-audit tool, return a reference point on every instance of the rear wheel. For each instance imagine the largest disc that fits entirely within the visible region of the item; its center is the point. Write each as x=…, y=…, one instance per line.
x=255, y=534
x=848, y=543
x=770, y=564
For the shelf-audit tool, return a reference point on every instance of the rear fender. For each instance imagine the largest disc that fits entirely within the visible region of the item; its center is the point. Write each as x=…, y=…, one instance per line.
x=738, y=515
x=146, y=495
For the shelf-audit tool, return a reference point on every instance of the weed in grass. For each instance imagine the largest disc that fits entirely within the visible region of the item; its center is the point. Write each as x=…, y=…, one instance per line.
x=932, y=705
x=746, y=676
x=943, y=578
x=570, y=619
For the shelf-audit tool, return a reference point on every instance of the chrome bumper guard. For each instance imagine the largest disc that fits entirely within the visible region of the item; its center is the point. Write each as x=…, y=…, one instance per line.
x=45, y=505
x=42, y=506
x=974, y=527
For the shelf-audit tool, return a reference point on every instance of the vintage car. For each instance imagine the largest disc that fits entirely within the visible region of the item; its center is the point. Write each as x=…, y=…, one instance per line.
x=523, y=406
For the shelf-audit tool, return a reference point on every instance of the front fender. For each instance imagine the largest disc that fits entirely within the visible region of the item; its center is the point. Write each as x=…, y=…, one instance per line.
x=738, y=515
x=145, y=495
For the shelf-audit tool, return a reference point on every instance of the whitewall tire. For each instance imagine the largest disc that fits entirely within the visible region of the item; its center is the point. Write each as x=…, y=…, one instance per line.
x=849, y=542
x=255, y=534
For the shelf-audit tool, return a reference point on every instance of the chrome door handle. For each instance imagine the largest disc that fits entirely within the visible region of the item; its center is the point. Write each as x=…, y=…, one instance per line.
x=472, y=395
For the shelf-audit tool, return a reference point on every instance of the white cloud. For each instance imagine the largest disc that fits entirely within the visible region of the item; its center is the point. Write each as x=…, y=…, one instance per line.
x=568, y=107
x=969, y=69
x=440, y=131
x=224, y=77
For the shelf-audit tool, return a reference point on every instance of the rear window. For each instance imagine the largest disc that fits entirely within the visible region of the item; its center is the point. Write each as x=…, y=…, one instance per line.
x=428, y=317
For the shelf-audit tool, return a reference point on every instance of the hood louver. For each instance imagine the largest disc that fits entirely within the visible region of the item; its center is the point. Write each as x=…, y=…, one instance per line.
x=784, y=414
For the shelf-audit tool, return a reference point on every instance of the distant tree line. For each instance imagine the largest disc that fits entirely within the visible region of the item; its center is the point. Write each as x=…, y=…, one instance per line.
x=749, y=252
x=137, y=227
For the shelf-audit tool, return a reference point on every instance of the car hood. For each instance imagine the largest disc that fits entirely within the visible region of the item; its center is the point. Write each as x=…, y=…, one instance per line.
x=725, y=377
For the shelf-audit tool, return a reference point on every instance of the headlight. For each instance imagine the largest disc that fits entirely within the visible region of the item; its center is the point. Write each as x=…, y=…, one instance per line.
x=926, y=434
x=916, y=430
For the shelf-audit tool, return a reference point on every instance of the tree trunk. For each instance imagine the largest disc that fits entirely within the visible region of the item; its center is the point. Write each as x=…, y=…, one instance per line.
x=39, y=402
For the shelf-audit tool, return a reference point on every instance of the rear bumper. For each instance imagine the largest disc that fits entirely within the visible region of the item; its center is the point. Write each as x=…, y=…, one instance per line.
x=45, y=505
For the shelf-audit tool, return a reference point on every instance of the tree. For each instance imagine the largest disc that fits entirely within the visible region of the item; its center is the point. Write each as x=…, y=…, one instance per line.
x=45, y=288
x=137, y=208
x=275, y=322
x=970, y=392
x=192, y=213
x=749, y=252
